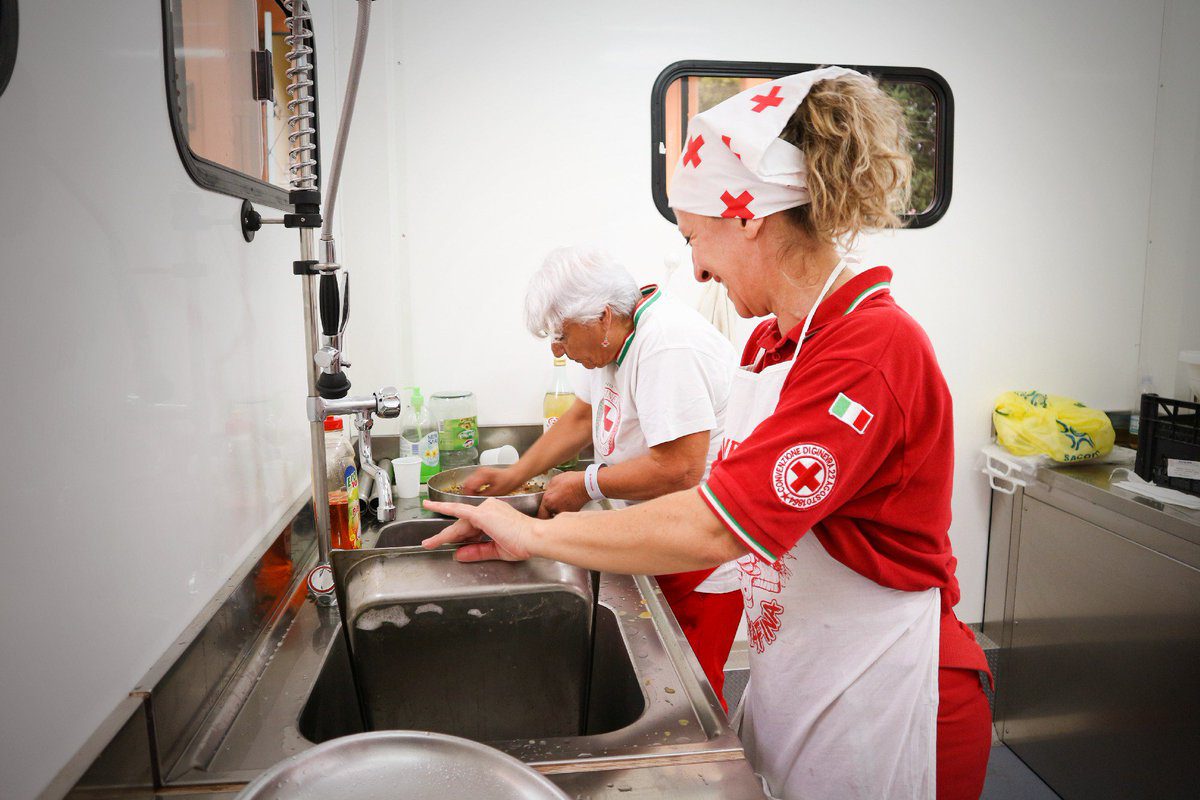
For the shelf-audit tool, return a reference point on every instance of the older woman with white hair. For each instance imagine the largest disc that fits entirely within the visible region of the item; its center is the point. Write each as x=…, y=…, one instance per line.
x=652, y=403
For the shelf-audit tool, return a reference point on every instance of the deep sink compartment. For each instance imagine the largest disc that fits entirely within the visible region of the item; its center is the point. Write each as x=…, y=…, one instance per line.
x=492, y=652
x=615, y=698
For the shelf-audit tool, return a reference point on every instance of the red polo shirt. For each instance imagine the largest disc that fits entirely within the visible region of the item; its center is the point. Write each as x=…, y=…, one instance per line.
x=860, y=450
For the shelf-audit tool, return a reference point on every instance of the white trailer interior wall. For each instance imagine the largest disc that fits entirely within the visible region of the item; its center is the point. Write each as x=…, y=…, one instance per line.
x=163, y=355
x=1171, y=306
x=156, y=390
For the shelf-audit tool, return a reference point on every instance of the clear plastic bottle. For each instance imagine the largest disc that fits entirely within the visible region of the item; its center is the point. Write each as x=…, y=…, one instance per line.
x=419, y=434
x=1145, y=386
x=458, y=428
x=342, y=479
x=559, y=397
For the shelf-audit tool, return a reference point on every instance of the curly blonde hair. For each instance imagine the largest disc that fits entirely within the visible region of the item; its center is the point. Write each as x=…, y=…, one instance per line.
x=855, y=145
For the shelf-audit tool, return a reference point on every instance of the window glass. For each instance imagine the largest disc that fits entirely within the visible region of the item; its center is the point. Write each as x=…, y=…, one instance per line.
x=923, y=96
x=228, y=87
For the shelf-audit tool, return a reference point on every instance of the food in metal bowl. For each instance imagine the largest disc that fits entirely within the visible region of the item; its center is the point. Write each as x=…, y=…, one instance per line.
x=530, y=487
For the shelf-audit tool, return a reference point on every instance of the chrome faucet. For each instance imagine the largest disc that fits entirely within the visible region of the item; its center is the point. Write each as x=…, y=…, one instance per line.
x=384, y=403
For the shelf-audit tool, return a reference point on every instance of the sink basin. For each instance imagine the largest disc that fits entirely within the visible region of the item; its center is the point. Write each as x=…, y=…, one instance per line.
x=611, y=690
x=487, y=651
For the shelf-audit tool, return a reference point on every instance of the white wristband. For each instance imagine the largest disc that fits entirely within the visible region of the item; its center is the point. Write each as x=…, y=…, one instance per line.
x=592, y=483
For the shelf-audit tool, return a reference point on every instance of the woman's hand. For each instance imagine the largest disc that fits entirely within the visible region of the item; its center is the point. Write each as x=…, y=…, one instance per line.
x=510, y=531
x=498, y=480
x=564, y=492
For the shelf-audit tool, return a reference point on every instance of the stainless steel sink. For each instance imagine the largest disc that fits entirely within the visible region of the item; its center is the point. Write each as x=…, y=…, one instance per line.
x=612, y=688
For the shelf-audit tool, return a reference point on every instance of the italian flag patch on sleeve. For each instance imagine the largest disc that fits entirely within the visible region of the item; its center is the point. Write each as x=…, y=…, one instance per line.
x=851, y=413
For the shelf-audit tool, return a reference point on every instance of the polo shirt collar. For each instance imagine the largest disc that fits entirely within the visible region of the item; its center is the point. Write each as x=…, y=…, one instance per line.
x=650, y=296
x=855, y=292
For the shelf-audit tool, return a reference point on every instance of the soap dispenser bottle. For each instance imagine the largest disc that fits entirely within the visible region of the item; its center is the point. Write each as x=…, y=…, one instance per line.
x=419, y=434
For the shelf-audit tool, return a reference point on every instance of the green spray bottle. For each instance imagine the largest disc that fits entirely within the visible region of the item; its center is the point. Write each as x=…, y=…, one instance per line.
x=419, y=434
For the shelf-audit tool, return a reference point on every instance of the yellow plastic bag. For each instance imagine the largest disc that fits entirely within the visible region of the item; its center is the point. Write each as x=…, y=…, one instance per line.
x=1033, y=424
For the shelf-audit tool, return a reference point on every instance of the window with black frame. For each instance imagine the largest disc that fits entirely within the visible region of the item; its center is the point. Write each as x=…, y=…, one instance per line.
x=227, y=91
x=8, y=41
x=687, y=88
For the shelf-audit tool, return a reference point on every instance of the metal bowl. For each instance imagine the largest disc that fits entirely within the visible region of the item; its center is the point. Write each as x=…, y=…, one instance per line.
x=525, y=503
x=401, y=765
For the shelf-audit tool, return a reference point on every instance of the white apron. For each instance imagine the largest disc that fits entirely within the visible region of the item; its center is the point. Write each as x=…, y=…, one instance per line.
x=843, y=693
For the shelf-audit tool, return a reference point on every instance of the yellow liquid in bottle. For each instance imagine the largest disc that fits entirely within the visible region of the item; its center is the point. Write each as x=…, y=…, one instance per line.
x=554, y=406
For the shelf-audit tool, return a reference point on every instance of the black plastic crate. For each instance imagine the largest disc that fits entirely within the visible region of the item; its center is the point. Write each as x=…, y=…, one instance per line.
x=1168, y=430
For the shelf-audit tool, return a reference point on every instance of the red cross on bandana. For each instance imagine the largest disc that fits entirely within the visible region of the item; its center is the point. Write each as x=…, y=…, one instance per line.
x=736, y=206
x=729, y=143
x=765, y=101
x=692, y=156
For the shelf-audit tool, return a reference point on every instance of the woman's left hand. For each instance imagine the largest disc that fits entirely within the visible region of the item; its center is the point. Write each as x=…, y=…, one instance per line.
x=564, y=492
x=508, y=528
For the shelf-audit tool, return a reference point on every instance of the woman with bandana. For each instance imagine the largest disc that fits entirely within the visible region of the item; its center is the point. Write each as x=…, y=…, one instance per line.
x=834, y=486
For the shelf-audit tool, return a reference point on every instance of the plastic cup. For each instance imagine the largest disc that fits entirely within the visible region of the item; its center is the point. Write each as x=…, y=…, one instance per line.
x=499, y=456
x=408, y=476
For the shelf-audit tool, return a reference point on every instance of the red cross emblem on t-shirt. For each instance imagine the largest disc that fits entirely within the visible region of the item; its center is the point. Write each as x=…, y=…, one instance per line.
x=804, y=475
x=608, y=422
x=765, y=101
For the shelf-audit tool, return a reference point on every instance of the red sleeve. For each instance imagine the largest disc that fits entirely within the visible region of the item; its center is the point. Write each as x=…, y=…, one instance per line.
x=809, y=458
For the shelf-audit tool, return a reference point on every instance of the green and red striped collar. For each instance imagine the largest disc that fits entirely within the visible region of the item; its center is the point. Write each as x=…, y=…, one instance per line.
x=650, y=296
x=856, y=291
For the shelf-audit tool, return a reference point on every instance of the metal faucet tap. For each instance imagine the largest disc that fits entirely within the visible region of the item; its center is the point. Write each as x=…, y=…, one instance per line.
x=384, y=403
x=387, y=509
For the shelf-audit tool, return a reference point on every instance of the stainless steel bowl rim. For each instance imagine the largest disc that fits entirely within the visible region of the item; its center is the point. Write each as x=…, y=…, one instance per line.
x=261, y=787
x=527, y=503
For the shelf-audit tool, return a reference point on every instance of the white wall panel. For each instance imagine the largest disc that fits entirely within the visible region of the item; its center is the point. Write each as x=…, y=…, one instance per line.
x=156, y=387
x=1171, y=313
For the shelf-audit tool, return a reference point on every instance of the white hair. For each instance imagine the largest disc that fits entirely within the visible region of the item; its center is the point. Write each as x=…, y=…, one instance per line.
x=576, y=284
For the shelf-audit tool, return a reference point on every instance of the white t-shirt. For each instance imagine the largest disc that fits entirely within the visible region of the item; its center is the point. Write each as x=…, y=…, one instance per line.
x=671, y=379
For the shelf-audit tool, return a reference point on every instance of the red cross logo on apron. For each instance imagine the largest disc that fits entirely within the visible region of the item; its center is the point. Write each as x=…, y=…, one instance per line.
x=736, y=206
x=765, y=101
x=692, y=156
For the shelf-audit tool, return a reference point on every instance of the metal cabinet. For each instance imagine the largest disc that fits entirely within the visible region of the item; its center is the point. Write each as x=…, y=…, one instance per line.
x=1097, y=611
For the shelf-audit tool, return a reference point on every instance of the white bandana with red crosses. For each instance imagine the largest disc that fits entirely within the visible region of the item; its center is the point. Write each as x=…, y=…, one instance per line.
x=734, y=164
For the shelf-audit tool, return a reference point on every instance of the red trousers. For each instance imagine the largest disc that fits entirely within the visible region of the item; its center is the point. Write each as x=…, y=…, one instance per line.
x=964, y=734
x=710, y=621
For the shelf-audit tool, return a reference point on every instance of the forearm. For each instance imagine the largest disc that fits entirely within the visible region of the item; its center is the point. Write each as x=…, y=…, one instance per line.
x=562, y=442
x=648, y=476
x=675, y=533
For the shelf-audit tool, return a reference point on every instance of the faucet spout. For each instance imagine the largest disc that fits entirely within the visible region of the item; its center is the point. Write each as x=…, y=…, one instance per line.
x=387, y=509
x=384, y=403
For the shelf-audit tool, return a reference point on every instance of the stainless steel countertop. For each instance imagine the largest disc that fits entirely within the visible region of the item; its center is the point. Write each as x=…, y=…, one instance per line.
x=656, y=758
x=1093, y=483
